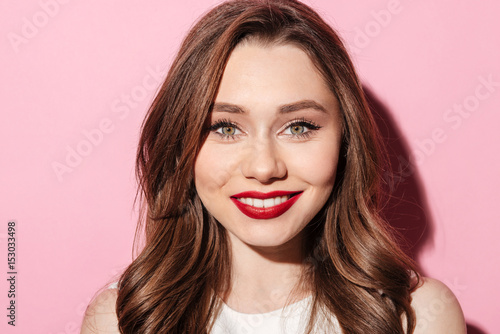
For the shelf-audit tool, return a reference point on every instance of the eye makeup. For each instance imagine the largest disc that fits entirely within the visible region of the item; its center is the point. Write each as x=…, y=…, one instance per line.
x=299, y=128
x=225, y=129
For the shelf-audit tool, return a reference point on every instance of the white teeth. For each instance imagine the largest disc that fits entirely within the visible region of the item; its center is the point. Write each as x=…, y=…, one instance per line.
x=269, y=202
x=258, y=203
x=266, y=203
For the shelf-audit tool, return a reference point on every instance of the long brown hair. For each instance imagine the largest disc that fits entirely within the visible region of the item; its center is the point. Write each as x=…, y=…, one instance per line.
x=357, y=272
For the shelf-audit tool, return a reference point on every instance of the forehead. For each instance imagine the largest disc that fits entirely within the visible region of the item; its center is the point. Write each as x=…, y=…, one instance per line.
x=271, y=73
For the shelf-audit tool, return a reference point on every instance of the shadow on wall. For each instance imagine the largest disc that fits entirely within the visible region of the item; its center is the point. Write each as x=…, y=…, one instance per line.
x=472, y=329
x=407, y=209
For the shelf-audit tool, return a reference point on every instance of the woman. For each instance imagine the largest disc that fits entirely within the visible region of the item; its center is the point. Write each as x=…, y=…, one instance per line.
x=260, y=163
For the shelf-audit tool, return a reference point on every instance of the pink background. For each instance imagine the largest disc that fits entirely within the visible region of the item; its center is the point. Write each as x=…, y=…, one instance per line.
x=78, y=69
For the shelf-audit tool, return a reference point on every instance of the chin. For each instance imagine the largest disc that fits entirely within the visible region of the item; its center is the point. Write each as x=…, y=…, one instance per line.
x=270, y=238
x=267, y=243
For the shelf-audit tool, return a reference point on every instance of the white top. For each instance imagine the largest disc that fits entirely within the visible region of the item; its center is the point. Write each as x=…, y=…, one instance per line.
x=292, y=319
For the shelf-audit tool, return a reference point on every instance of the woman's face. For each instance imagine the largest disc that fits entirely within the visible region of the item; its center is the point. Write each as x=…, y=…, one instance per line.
x=268, y=164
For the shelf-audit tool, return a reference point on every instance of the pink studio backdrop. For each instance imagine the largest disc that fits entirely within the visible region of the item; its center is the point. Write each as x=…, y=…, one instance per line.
x=77, y=78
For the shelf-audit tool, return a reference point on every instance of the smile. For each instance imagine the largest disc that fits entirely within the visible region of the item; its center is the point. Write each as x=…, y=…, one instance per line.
x=263, y=203
x=259, y=205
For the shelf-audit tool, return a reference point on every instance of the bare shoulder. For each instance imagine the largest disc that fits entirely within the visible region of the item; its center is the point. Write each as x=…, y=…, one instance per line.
x=437, y=309
x=100, y=316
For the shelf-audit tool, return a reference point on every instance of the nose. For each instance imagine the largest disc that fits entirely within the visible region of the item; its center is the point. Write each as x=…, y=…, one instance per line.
x=261, y=160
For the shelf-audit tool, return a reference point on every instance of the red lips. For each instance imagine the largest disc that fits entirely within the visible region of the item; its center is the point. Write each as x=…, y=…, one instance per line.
x=265, y=213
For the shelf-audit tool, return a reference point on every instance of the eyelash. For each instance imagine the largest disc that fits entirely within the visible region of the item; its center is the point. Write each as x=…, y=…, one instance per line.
x=310, y=125
x=221, y=124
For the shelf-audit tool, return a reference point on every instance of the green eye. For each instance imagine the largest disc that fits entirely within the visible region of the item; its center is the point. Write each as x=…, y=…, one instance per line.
x=297, y=129
x=225, y=129
x=228, y=130
x=300, y=128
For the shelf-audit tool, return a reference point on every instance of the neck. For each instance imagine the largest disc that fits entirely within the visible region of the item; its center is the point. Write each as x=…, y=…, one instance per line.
x=265, y=278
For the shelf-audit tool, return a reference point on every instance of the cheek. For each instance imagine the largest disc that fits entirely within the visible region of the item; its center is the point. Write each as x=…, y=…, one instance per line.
x=317, y=164
x=212, y=171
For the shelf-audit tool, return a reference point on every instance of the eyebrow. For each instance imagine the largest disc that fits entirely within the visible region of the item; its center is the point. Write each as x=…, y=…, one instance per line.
x=300, y=105
x=284, y=109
